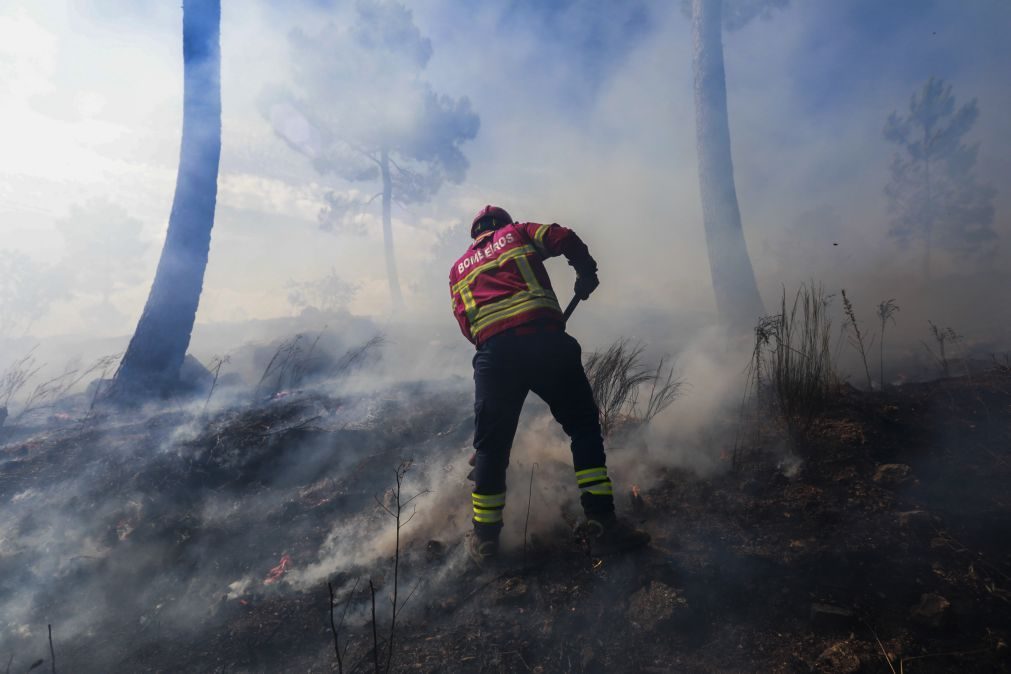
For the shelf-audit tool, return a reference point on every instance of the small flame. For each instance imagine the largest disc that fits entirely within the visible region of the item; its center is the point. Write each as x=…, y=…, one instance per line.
x=275, y=574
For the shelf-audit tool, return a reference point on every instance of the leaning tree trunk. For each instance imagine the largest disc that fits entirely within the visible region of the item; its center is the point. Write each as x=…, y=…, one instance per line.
x=737, y=300
x=391, y=260
x=152, y=361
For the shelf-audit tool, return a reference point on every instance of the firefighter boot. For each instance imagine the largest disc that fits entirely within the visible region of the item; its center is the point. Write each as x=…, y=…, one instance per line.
x=482, y=549
x=608, y=534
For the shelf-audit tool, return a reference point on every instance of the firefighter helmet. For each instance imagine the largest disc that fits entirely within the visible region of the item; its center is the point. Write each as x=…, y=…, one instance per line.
x=489, y=217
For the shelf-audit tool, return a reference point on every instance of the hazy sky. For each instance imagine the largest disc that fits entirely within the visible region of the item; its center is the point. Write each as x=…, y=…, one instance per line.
x=586, y=119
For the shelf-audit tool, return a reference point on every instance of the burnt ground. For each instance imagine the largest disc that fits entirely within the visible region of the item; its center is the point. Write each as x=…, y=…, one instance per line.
x=887, y=547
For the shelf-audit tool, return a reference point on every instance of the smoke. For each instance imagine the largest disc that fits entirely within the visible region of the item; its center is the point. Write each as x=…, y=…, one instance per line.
x=592, y=128
x=170, y=517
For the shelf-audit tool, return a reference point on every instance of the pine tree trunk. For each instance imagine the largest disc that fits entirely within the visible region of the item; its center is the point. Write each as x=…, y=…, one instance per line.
x=928, y=226
x=737, y=300
x=152, y=361
x=391, y=262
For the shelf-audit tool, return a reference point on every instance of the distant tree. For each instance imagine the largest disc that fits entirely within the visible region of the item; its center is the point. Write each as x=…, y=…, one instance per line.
x=27, y=291
x=156, y=351
x=103, y=248
x=933, y=194
x=328, y=293
x=447, y=245
x=359, y=110
x=737, y=299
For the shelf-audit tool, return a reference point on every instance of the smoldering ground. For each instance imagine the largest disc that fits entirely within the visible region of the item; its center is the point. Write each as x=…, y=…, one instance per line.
x=148, y=514
x=154, y=523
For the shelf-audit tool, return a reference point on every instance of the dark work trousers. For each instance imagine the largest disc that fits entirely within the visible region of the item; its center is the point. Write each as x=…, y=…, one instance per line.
x=508, y=366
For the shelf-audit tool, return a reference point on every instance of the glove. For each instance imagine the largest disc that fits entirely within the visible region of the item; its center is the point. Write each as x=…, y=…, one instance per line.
x=586, y=284
x=586, y=277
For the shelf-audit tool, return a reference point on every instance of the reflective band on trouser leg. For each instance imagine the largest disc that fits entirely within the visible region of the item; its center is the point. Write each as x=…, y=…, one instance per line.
x=488, y=507
x=594, y=481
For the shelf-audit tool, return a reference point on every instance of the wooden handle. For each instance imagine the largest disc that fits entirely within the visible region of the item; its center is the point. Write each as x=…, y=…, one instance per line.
x=572, y=307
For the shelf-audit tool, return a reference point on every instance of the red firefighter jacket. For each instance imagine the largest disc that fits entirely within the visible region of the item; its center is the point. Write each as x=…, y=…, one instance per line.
x=501, y=282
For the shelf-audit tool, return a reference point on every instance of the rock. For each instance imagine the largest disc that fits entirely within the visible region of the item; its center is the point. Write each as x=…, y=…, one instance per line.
x=827, y=617
x=838, y=658
x=915, y=520
x=652, y=605
x=511, y=591
x=3, y=414
x=932, y=611
x=434, y=550
x=892, y=474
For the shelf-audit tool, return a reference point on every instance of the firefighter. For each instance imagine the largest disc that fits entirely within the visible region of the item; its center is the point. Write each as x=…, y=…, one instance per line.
x=503, y=301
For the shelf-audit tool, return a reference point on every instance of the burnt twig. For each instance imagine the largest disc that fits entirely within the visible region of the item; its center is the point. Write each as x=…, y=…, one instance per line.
x=413, y=590
x=216, y=364
x=882, y=647
x=400, y=473
x=903, y=661
x=52, y=653
x=375, y=634
x=336, y=628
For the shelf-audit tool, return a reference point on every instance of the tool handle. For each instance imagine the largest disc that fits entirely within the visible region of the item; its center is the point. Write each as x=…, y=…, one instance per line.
x=572, y=307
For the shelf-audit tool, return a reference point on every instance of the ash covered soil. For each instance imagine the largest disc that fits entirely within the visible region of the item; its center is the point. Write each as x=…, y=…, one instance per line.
x=177, y=542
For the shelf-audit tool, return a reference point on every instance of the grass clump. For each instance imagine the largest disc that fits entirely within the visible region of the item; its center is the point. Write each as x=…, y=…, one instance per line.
x=856, y=337
x=886, y=312
x=791, y=371
x=618, y=377
x=296, y=363
x=945, y=338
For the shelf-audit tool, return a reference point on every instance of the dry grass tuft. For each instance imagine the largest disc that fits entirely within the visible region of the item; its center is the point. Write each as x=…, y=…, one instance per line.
x=618, y=377
x=886, y=312
x=791, y=371
x=295, y=364
x=856, y=337
x=945, y=338
x=46, y=393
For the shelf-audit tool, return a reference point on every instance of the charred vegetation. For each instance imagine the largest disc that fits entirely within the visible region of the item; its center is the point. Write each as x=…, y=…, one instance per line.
x=878, y=540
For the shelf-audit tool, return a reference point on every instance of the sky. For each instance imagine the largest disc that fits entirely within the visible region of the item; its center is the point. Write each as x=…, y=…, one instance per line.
x=586, y=119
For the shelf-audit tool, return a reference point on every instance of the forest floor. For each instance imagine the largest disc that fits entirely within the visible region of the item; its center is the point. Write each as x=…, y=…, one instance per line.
x=175, y=543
